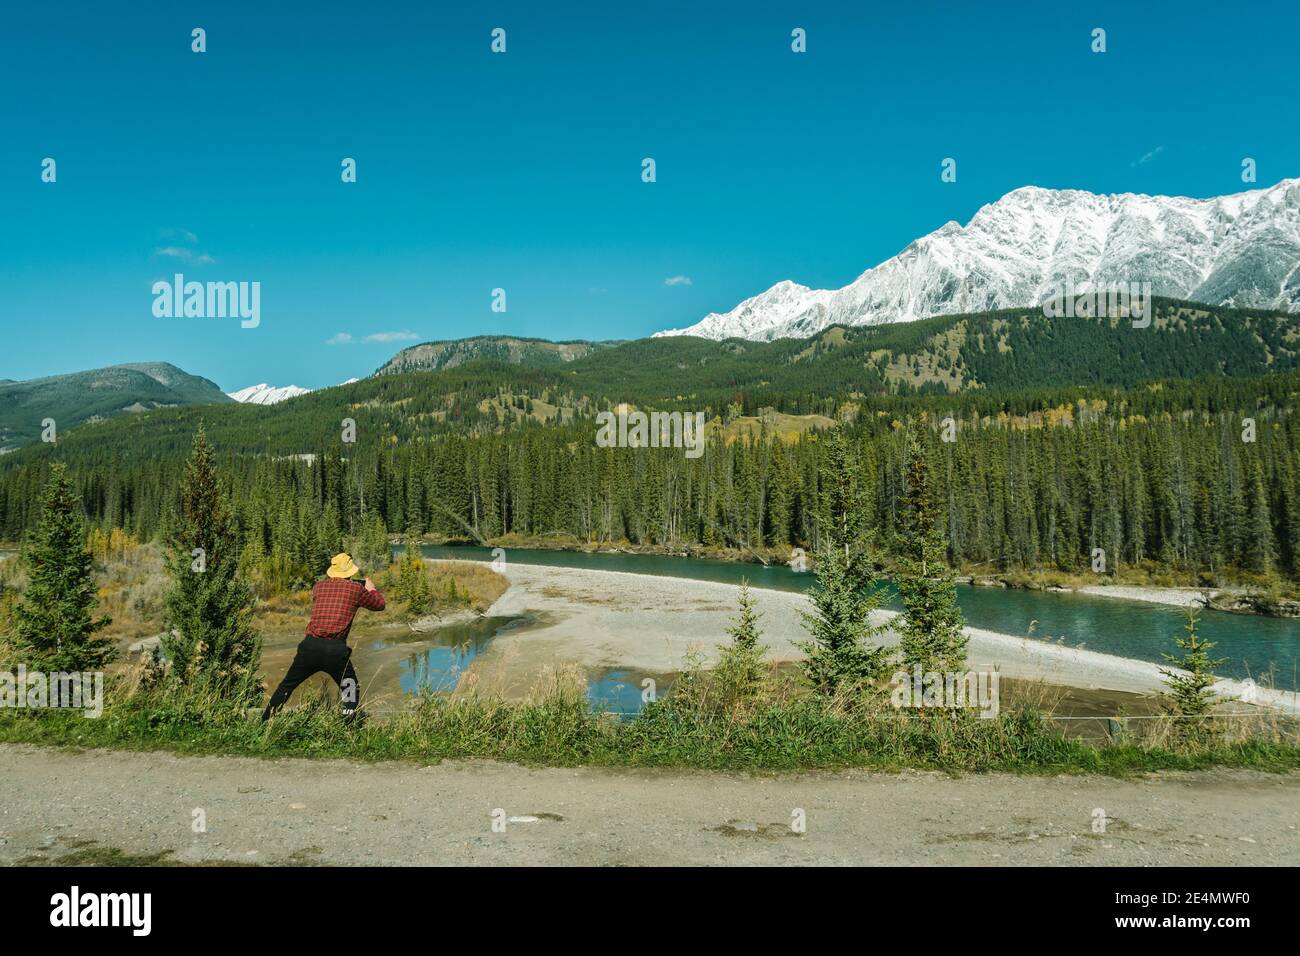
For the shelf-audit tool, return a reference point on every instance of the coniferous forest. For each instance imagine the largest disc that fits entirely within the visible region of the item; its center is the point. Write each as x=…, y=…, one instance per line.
x=1200, y=475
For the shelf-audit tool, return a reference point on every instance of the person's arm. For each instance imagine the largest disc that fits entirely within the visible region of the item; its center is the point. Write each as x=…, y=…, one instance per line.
x=371, y=598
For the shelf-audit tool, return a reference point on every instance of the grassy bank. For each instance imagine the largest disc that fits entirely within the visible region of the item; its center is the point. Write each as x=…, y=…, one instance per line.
x=556, y=727
x=769, y=722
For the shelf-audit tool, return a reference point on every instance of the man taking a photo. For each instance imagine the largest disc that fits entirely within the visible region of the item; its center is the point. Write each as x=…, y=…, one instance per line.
x=334, y=602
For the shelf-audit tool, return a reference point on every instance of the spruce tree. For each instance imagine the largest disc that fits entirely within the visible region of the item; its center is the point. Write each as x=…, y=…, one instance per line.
x=54, y=628
x=744, y=632
x=1189, y=698
x=846, y=593
x=931, y=627
x=370, y=547
x=740, y=668
x=210, y=639
x=413, y=585
x=1260, y=546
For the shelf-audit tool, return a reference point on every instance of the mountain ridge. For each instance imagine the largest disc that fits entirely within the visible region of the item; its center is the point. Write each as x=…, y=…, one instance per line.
x=94, y=394
x=264, y=394
x=995, y=356
x=1240, y=250
x=511, y=349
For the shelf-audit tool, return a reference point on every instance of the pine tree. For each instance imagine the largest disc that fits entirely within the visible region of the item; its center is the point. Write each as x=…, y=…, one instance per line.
x=1189, y=697
x=413, y=580
x=1260, y=547
x=740, y=670
x=54, y=628
x=932, y=630
x=210, y=639
x=845, y=595
x=370, y=547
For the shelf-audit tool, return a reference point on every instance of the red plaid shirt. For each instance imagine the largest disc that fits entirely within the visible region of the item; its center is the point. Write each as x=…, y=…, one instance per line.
x=334, y=603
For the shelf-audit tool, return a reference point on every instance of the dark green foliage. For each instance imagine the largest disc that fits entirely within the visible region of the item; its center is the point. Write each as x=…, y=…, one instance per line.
x=1152, y=475
x=931, y=629
x=76, y=397
x=1190, y=698
x=413, y=585
x=1147, y=475
x=1011, y=351
x=841, y=655
x=209, y=637
x=740, y=671
x=514, y=350
x=369, y=547
x=54, y=628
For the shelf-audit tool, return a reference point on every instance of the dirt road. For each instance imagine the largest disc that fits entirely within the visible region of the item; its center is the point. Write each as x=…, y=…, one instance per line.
x=61, y=805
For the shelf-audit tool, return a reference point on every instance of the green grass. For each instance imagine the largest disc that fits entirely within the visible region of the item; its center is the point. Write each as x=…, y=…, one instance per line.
x=786, y=734
x=89, y=853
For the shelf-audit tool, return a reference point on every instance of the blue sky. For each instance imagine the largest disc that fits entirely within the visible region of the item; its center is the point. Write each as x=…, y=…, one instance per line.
x=522, y=170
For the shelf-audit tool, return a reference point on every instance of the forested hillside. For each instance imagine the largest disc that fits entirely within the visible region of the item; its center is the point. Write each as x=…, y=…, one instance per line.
x=1059, y=443
x=1165, y=473
x=533, y=353
x=100, y=393
x=834, y=372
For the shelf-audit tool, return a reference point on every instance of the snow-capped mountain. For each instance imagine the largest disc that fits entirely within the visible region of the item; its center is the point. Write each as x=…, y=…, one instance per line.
x=1240, y=250
x=267, y=395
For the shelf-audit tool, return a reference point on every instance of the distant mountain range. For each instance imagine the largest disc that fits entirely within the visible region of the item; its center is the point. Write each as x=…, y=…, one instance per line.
x=490, y=381
x=1241, y=250
x=264, y=394
x=95, y=395
x=996, y=355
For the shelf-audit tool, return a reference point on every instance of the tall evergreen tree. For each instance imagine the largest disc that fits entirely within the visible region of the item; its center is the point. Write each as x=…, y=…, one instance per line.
x=932, y=630
x=413, y=585
x=210, y=639
x=54, y=628
x=370, y=547
x=1260, y=548
x=846, y=594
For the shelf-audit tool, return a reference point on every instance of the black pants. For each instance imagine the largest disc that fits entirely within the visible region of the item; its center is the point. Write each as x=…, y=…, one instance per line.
x=317, y=654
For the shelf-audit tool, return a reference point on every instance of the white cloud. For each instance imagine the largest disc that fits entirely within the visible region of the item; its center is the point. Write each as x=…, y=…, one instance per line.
x=1149, y=156
x=346, y=338
x=183, y=253
x=678, y=280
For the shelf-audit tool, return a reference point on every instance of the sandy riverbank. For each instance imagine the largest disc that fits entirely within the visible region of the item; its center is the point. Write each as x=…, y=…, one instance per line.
x=648, y=624
x=1171, y=597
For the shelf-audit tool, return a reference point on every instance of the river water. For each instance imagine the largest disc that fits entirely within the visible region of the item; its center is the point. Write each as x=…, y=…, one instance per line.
x=1252, y=645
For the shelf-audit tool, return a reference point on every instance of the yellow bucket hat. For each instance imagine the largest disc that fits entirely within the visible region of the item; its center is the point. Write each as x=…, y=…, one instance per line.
x=342, y=566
